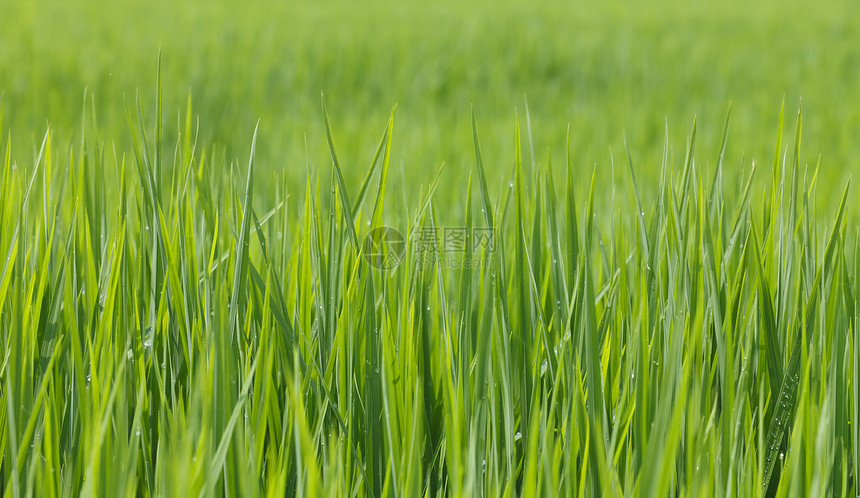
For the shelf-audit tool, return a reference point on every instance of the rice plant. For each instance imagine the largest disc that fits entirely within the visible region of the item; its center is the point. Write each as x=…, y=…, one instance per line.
x=169, y=330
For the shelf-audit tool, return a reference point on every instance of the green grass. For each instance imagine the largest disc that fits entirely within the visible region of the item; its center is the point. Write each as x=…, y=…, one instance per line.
x=163, y=337
x=186, y=306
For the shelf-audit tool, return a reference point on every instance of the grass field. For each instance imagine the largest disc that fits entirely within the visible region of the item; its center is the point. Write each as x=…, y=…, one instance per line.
x=622, y=254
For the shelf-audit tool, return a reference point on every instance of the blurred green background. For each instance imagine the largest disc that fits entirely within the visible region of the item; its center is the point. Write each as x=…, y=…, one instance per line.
x=606, y=71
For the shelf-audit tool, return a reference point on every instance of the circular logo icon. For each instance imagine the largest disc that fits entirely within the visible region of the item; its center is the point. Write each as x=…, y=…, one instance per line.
x=384, y=248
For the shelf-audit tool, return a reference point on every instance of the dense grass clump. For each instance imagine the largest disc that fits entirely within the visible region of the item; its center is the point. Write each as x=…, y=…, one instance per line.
x=166, y=331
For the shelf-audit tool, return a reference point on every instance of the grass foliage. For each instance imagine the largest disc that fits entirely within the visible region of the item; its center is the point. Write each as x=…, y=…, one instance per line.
x=165, y=330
